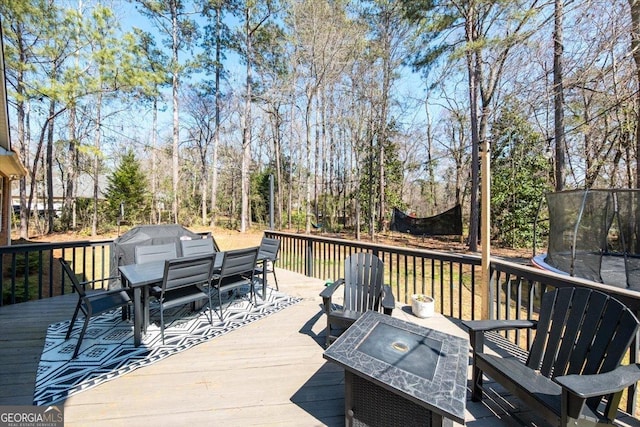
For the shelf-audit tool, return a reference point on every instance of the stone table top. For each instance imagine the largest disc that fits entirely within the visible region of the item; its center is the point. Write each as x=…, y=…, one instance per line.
x=426, y=366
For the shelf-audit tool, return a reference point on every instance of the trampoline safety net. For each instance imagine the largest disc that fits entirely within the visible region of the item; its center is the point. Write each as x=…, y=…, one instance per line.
x=446, y=223
x=585, y=225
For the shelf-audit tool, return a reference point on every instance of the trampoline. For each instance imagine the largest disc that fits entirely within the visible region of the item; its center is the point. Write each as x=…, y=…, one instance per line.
x=594, y=235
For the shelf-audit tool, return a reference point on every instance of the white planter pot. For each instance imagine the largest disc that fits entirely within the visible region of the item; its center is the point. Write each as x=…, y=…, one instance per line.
x=423, y=308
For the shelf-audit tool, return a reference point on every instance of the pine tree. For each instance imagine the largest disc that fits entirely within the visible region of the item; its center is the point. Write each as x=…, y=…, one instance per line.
x=128, y=188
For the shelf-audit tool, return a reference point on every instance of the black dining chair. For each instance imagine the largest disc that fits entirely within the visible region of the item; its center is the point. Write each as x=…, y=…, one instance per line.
x=268, y=253
x=237, y=270
x=151, y=253
x=194, y=247
x=93, y=303
x=185, y=280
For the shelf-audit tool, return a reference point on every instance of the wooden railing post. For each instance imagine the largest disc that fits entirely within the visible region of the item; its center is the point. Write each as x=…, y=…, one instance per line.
x=309, y=258
x=493, y=285
x=632, y=392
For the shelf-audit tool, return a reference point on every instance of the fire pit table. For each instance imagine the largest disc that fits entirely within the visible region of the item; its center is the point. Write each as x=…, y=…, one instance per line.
x=401, y=373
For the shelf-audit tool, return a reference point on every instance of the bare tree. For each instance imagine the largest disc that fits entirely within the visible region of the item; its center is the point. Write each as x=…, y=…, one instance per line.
x=390, y=32
x=172, y=19
x=256, y=13
x=328, y=41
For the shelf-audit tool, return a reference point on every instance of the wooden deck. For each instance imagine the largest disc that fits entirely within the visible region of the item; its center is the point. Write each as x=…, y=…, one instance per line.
x=270, y=372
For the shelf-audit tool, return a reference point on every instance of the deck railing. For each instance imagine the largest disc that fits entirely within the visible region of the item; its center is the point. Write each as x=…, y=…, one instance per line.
x=29, y=271
x=450, y=278
x=453, y=280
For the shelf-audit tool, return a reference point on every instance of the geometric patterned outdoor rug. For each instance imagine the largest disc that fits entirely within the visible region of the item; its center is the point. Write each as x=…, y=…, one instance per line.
x=107, y=349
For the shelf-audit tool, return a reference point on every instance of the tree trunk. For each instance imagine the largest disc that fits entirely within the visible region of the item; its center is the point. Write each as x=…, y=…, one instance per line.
x=317, y=156
x=214, y=171
x=203, y=191
x=70, y=177
x=635, y=49
x=277, y=159
x=156, y=213
x=382, y=132
x=558, y=95
x=246, y=134
x=291, y=176
x=307, y=124
x=34, y=168
x=49, y=169
x=473, y=72
x=22, y=117
x=176, y=119
x=96, y=166
x=371, y=184
x=325, y=159
x=430, y=165
x=216, y=134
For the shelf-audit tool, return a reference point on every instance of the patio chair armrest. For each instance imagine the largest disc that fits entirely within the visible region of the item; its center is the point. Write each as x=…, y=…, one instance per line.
x=576, y=389
x=388, y=300
x=328, y=291
x=498, y=325
x=586, y=386
x=477, y=329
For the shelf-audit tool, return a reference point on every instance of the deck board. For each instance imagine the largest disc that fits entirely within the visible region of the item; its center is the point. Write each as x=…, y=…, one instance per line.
x=22, y=333
x=269, y=372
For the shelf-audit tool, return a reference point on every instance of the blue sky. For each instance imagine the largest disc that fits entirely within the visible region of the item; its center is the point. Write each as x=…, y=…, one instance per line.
x=409, y=86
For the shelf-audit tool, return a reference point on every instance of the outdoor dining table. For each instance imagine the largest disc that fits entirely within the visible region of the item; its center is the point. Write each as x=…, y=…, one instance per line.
x=139, y=277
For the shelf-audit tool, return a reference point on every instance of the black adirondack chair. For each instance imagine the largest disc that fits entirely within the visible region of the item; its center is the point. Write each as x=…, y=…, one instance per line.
x=572, y=375
x=363, y=290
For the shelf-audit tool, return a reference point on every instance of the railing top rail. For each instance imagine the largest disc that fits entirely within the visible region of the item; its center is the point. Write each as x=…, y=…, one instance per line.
x=33, y=247
x=629, y=297
x=425, y=253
